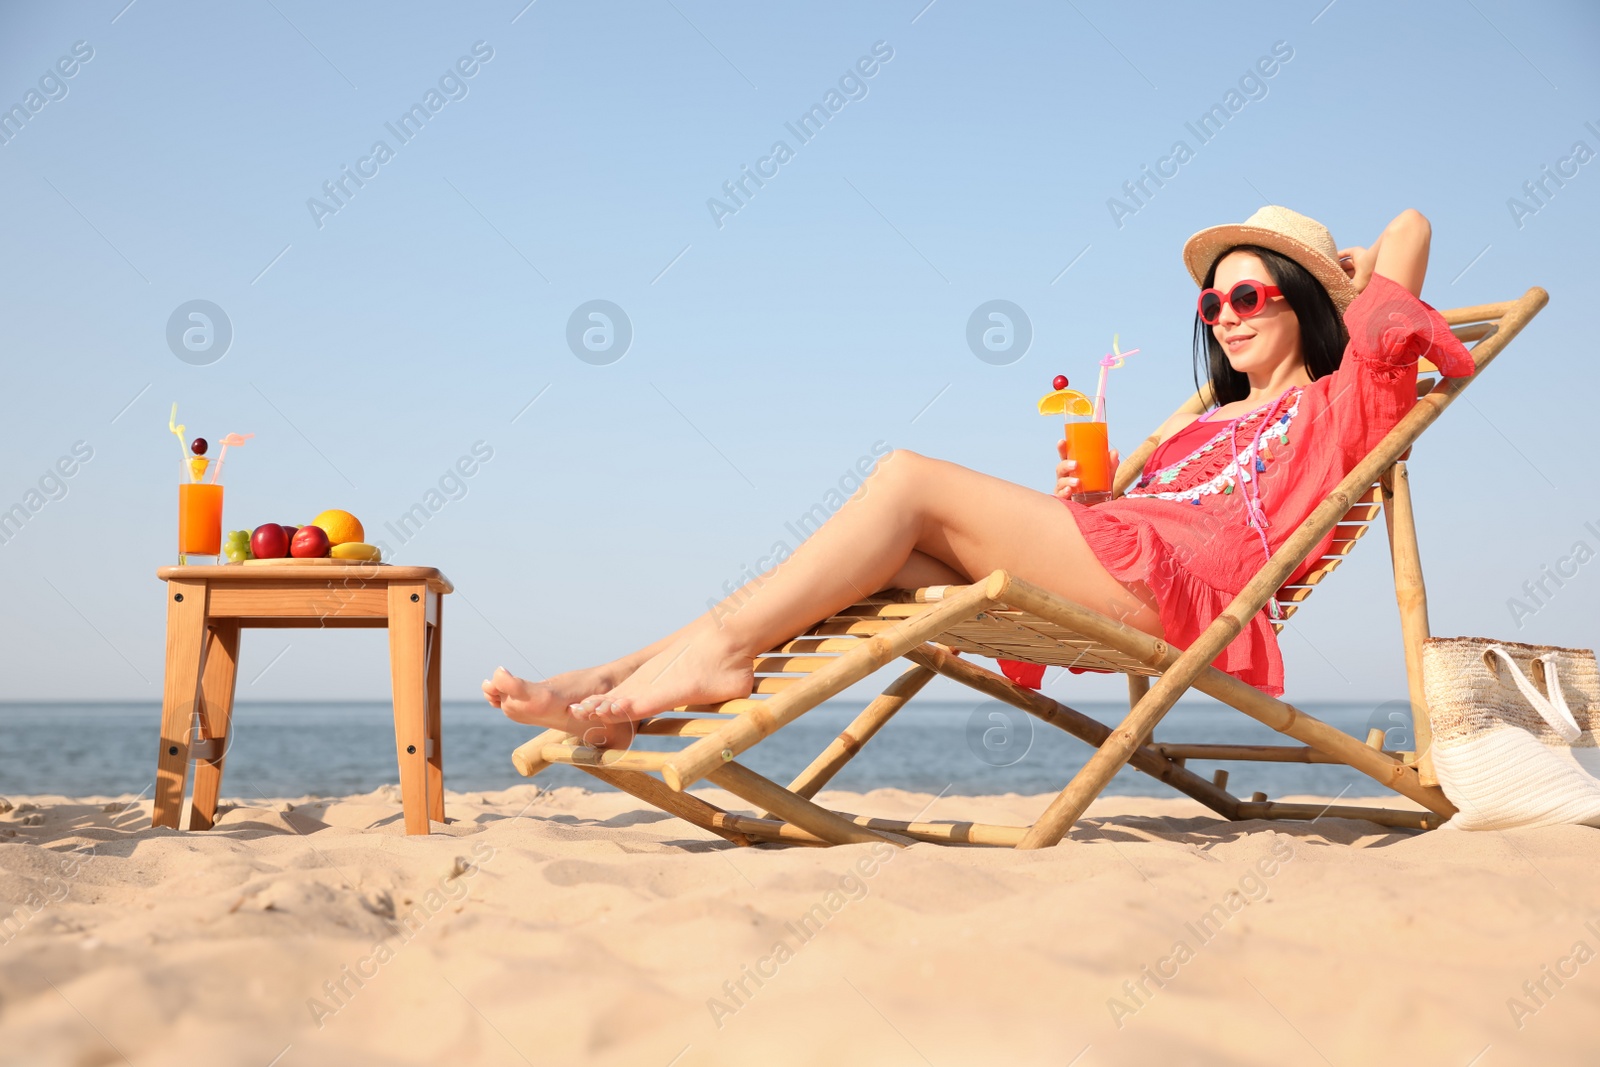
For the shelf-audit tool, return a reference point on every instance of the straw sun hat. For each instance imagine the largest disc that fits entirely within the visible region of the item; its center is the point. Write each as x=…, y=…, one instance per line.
x=1302, y=239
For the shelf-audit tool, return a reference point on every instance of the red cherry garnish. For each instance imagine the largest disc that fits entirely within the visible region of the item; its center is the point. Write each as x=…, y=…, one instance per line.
x=199, y=446
x=1060, y=382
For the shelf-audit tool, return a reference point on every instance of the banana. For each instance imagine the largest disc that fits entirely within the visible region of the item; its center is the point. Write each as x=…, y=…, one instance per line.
x=356, y=550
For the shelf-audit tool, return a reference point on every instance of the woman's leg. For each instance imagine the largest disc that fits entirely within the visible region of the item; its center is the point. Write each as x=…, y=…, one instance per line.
x=911, y=518
x=551, y=697
x=922, y=569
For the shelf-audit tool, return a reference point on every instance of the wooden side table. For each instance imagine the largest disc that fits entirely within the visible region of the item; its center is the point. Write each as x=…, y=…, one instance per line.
x=208, y=606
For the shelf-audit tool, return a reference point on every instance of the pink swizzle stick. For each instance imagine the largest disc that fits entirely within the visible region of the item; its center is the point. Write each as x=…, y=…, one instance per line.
x=1111, y=359
x=230, y=439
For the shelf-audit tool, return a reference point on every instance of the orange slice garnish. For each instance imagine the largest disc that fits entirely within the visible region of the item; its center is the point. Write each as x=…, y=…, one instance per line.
x=1065, y=402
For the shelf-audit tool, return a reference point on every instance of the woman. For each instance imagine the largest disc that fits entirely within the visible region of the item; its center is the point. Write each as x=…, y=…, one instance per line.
x=1302, y=396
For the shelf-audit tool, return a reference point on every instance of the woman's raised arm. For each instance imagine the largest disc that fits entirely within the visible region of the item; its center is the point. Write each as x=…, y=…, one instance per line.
x=1400, y=253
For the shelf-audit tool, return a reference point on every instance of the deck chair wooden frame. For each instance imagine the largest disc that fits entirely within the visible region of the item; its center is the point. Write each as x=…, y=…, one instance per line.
x=1004, y=616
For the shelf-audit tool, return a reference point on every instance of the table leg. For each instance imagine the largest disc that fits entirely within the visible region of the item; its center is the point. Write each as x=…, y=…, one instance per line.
x=216, y=714
x=407, y=672
x=435, y=711
x=186, y=639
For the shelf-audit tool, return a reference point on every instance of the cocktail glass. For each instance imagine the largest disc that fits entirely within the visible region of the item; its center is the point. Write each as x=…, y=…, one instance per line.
x=199, y=520
x=1088, y=444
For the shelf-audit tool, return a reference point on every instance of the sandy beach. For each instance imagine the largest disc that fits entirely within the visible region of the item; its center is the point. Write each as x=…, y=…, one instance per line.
x=566, y=926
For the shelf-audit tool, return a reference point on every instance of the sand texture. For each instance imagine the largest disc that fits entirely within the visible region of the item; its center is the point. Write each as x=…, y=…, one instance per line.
x=571, y=927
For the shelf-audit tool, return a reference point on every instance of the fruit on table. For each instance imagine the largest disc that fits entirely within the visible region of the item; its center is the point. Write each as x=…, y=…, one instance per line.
x=340, y=526
x=357, y=550
x=309, y=542
x=269, y=541
x=236, y=546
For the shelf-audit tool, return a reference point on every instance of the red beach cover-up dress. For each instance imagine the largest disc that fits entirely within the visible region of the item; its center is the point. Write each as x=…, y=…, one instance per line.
x=1185, y=526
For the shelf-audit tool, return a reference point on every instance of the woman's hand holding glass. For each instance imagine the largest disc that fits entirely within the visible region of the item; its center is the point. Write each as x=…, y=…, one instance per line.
x=1066, y=479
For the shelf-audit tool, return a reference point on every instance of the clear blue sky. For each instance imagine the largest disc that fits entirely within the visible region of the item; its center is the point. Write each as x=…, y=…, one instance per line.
x=769, y=353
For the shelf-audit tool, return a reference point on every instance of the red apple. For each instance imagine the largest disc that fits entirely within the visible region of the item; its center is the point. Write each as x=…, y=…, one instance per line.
x=288, y=532
x=269, y=541
x=310, y=542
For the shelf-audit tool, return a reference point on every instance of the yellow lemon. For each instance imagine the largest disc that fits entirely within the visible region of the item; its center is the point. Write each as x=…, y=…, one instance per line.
x=1065, y=402
x=340, y=526
x=356, y=550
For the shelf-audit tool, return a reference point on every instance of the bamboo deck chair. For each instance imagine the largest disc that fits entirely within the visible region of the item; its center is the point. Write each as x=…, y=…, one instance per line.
x=1005, y=617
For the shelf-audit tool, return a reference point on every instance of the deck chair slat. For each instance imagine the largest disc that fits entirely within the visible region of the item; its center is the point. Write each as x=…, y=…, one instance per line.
x=1098, y=658
x=727, y=707
x=1011, y=627
x=791, y=664
x=1475, y=332
x=813, y=645
x=680, y=727
x=1362, y=513
x=833, y=628
x=1060, y=652
x=880, y=611
x=1478, y=313
x=1325, y=566
x=615, y=759
x=1000, y=635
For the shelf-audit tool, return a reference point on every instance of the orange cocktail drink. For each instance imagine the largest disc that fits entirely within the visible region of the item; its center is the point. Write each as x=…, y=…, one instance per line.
x=1089, y=446
x=200, y=519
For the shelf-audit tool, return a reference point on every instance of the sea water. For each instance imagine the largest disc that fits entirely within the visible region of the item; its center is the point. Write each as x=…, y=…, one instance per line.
x=333, y=749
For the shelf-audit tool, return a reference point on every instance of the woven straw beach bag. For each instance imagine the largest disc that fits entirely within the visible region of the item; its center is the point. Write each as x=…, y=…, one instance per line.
x=1514, y=731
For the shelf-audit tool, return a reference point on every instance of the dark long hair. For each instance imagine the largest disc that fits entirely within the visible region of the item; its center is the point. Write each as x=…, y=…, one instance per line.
x=1322, y=333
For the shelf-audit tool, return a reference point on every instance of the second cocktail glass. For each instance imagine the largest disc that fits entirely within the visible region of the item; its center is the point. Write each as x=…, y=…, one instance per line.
x=199, y=520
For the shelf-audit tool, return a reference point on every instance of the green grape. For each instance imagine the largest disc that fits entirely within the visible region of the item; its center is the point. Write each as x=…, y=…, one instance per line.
x=236, y=546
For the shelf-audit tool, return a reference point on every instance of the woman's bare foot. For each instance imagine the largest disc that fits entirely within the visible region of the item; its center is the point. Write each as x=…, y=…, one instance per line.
x=702, y=669
x=543, y=703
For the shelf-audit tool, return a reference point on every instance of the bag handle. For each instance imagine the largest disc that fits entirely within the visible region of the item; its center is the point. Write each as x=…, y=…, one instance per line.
x=1553, y=710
